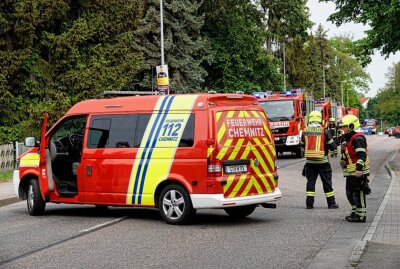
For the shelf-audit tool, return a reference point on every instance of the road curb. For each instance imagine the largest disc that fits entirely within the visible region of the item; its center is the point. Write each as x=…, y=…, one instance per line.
x=8, y=201
x=360, y=247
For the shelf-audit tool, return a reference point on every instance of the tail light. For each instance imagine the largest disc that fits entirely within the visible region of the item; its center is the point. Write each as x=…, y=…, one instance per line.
x=214, y=168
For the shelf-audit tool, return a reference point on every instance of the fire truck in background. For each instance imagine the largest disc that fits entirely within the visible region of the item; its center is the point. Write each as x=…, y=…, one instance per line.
x=370, y=123
x=352, y=111
x=329, y=109
x=287, y=114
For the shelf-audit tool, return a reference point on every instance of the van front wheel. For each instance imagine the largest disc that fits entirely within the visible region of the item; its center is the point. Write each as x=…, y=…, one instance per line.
x=34, y=201
x=175, y=205
x=240, y=211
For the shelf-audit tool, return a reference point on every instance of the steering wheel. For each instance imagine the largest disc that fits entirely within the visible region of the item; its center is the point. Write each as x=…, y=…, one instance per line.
x=76, y=141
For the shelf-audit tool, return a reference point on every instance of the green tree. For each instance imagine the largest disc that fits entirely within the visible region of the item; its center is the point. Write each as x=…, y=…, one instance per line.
x=382, y=18
x=184, y=47
x=240, y=62
x=54, y=53
x=388, y=98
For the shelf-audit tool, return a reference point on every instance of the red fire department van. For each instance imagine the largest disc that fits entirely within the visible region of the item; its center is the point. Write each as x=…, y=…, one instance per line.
x=177, y=153
x=287, y=114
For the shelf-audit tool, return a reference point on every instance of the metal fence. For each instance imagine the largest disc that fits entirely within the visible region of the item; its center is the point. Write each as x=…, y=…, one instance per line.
x=8, y=154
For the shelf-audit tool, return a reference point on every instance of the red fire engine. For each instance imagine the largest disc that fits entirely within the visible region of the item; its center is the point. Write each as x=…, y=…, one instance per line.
x=328, y=109
x=287, y=114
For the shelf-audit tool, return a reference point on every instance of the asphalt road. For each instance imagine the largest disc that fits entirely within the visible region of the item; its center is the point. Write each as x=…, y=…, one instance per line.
x=290, y=236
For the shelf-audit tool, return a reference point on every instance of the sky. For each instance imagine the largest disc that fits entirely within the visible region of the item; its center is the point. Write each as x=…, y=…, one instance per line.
x=378, y=67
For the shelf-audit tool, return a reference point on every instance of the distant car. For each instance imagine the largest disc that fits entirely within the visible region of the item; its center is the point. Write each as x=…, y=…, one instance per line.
x=390, y=131
x=366, y=130
x=396, y=132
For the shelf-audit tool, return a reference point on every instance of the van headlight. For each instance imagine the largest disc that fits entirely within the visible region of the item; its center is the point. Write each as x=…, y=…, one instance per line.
x=292, y=140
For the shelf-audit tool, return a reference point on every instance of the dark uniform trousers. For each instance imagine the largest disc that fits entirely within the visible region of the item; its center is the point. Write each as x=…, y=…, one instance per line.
x=356, y=196
x=324, y=170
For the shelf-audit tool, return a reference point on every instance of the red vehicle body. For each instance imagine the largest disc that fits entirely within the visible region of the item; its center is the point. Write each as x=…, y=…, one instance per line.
x=287, y=114
x=371, y=123
x=177, y=153
x=396, y=132
x=328, y=110
x=352, y=111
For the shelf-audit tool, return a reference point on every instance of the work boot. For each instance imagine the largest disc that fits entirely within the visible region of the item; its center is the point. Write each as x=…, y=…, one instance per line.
x=333, y=206
x=310, y=206
x=355, y=218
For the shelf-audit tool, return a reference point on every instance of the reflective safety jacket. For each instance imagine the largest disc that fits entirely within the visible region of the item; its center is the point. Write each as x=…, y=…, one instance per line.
x=350, y=160
x=314, y=143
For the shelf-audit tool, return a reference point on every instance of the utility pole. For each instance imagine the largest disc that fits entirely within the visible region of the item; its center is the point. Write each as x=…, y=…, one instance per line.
x=284, y=67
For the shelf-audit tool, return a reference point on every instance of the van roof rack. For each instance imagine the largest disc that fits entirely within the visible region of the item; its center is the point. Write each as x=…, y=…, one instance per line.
x=107, y=94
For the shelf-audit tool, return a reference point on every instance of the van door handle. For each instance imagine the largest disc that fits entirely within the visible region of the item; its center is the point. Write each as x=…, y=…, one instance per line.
x=88, y=170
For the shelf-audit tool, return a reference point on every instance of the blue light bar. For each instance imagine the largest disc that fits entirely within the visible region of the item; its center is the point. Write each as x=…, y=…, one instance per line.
x=288, y=93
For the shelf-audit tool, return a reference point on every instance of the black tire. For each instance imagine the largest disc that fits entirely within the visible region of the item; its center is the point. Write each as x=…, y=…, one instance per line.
x=240, y=211
x=101, y=207
x=34, y=201
x=175, y=205
x=300, y=152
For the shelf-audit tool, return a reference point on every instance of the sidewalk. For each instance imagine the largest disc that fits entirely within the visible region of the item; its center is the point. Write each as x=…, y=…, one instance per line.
x=382, y=240
x=7, y=195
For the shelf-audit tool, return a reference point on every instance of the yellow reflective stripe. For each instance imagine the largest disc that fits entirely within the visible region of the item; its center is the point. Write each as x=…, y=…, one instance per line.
x=246, y=151
x=221, y=132
x=229, y=182
x=236, y=150
x=30, y=160
x=330, y=142
x=253, y=182
x=239, y=184
x=329, y=194
x=310, y=193
x=268, y=157
x=218, y=115
x=210, y=151
x=158, y=147
x=224, y=149
x=360, y=150
x=359, y=161
x=263, y=179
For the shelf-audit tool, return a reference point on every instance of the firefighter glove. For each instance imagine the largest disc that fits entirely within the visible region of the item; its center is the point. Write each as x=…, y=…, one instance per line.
x=365, y=187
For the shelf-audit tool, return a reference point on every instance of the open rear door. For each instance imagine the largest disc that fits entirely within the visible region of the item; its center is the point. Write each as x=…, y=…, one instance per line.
x=43, y=167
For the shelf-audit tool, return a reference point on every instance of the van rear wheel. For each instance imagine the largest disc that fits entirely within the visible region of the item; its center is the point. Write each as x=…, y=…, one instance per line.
x=175, y=205
x=240, y=211
x=34, y=201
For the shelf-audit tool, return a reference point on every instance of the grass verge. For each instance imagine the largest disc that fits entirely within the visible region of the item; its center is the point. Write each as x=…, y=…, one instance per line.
x=6, y=176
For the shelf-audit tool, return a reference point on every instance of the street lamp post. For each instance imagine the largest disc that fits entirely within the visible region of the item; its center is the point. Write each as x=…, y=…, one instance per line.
x=284, y=67
x=341, y=90
x=162, y=32
x=323, y=76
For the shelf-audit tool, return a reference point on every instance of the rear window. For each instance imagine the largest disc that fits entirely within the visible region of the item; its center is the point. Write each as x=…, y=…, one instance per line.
x=248, y=126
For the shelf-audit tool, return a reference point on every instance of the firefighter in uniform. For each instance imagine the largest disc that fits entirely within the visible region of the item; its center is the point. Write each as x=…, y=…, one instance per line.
x=334, y=131
x=355, y=164
x=318, y=141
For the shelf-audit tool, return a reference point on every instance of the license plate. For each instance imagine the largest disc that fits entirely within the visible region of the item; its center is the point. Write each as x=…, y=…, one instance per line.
x=236, y=169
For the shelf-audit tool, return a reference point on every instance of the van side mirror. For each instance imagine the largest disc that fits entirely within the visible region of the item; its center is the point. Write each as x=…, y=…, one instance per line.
x=30, y=141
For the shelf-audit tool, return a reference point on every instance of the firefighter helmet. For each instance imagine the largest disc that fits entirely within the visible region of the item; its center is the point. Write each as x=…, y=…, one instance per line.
x=315, y=116
x=332, y=119
x=351, y=121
